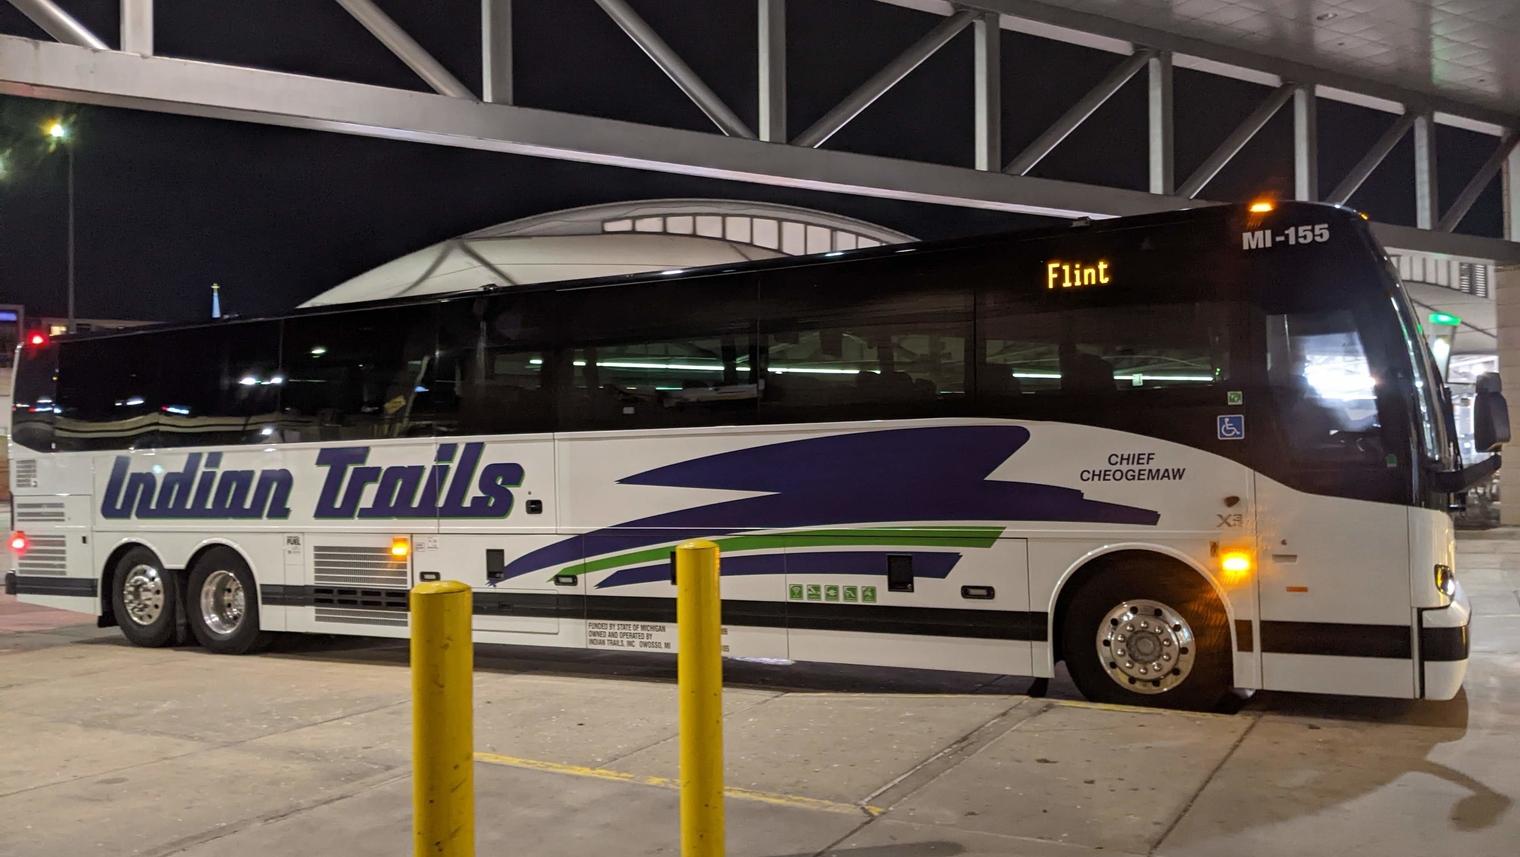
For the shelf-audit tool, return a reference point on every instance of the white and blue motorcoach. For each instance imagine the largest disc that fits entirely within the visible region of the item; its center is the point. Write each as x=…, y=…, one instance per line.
x=1182, y=453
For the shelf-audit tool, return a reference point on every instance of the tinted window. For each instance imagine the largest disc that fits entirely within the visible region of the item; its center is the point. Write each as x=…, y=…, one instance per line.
x=108, y=393
x=357, y=375
x=870, y=340
x=495, y=364
x=32, y=407
x=218, y=385
x=1103, y=350
x=679, y=353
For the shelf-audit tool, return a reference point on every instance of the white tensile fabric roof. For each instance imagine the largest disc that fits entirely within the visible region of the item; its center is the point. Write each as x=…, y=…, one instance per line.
x=617, y=238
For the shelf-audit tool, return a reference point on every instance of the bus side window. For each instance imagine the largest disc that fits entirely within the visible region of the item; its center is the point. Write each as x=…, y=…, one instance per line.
x=360, y=379
x=107, y=394
x=495, y=360
x=1101, y=350
x=228, y=394
x=660, y=354
x=878, y=340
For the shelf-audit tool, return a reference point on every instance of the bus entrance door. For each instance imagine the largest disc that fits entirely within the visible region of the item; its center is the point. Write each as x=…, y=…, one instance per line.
x=1330, y=620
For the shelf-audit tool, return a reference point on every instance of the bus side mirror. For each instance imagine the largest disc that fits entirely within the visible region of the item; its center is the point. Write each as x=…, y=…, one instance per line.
x=1490, y=414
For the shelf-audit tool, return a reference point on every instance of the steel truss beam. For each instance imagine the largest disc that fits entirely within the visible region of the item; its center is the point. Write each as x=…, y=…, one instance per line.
x=67, y=73
x=1426, y=200
x=1237, y=140
x=1052, y=15
x=771, y=24
x=59, y=24
x=1158, y=97
x=883, y=80
x=137, y=26
x=675, y=68
x=406, y=48
x=1305, y=144
x=987, y=91
x=1372, y=159
x=496, y=51
x=1085, y=107
x=1479, y=183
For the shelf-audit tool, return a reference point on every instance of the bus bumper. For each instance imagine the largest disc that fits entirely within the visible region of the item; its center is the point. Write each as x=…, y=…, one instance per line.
x=1444, y=645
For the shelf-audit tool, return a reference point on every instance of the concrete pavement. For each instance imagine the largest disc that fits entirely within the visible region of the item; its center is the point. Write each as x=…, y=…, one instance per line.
x=110, y=750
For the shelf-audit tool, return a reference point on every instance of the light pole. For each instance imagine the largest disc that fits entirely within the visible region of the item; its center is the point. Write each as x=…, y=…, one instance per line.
x=58, y=133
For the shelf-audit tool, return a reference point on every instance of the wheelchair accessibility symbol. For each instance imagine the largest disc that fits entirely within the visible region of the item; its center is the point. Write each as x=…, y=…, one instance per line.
x=1232, y=427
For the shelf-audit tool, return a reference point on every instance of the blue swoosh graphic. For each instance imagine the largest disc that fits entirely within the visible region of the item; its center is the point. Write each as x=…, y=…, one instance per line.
x=928, y=474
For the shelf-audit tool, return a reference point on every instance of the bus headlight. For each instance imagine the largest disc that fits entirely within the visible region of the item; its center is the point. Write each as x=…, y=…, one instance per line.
x=1446, y=581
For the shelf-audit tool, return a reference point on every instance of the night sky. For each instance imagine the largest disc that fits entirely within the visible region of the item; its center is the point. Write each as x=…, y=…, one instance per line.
x=167, y=204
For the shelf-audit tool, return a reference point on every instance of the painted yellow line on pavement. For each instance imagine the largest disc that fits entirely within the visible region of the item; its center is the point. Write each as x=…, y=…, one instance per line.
x=667, y=783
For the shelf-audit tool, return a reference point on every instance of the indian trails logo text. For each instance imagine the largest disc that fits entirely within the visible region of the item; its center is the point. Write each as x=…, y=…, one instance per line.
x=446, y=489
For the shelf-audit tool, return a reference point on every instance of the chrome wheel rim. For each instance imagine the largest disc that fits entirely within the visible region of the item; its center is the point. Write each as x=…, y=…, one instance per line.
x=223, y=602
x=142, y=593
x=1146, y=646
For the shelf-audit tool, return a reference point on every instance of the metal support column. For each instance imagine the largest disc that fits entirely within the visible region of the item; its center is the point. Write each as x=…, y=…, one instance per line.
x=1237, y=140
x=878, y=84
x=406, y=48
x=1479, y=183
x=987, y=76
x=1159, y=107
x=1089, y=104
x=1371, y=160
x=675, y=68
x=1305, y=144
x=1426, y=212
x=772, y=27
x=137, y=27
x=496, y=51
x=59, y=24
x=1512, y=194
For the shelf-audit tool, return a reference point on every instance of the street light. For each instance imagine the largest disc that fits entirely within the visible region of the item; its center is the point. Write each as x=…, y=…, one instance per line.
x=58, y=134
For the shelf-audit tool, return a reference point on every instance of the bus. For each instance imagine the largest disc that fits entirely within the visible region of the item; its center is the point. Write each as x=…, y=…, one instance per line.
x=1181, y=453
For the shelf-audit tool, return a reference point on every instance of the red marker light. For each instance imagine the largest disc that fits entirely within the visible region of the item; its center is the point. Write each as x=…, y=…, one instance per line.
x=18, y=542
x=37, y=339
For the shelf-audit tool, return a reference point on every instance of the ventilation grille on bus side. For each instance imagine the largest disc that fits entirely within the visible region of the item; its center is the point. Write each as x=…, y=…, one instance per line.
x=26, y=472
x=45, y=555
x=39, y=513
x=360, y=606
x=360, y=617
x=356, y=566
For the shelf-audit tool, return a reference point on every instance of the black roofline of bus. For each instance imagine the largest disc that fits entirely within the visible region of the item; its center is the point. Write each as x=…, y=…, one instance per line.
x=1203, y=212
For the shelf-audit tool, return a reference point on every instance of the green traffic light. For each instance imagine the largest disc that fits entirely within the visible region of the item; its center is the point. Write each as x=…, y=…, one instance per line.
x=1444, y=318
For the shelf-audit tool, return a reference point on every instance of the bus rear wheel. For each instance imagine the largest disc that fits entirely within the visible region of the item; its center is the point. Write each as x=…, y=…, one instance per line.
x=223, y=604
x=1149, y=635
x=144, y=598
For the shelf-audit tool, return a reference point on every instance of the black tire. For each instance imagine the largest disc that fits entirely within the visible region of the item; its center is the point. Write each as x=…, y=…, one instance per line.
x=222, y=604
x=1157, y=587
x=145, y=598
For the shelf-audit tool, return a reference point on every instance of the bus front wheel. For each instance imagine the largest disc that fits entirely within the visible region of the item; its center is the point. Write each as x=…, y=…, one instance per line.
x=222, y=604
x=1152, y=636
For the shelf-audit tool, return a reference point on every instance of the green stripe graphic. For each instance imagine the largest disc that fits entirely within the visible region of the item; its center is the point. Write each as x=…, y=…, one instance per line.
x=958, y=537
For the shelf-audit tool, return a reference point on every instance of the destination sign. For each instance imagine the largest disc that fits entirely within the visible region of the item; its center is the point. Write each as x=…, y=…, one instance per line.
x=1073, y=275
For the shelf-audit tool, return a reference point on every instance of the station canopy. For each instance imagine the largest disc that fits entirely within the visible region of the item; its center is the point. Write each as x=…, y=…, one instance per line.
x=604, y=240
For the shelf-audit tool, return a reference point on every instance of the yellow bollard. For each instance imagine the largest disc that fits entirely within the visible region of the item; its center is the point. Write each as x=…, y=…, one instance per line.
x=443, y=741
x=699, y=670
